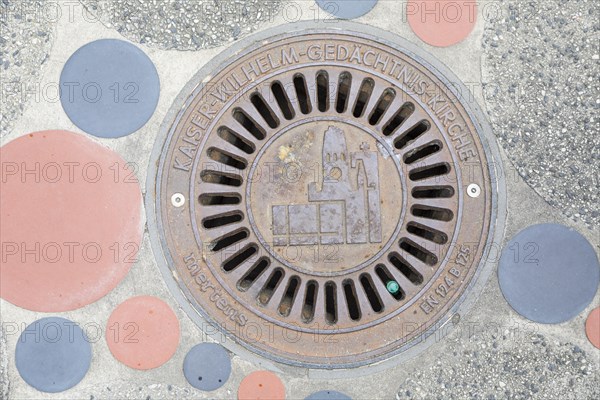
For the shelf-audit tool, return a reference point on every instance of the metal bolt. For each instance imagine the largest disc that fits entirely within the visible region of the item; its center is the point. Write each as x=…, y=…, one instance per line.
x=178, y=200
x=473, y=190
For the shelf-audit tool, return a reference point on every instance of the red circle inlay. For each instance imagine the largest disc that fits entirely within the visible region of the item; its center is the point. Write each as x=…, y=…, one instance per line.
x=261, y=385
x=592, y=327
x=70, y=221
x=441, y=23
x=143, y=332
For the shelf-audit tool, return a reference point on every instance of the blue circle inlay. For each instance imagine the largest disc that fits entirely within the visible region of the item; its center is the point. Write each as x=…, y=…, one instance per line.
x=109, y=88
x=548, y=273
x=207, y=366
x=347, y=9
x=53, y=354
x=328, y=395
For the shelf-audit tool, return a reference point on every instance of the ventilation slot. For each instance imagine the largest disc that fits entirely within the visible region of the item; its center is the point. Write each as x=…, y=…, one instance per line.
x=412, y=134
x=302, y=94
x=235, y=139
x=385, y=277
x=404, y=112
x=429, y=212
x=345, y=82
x=249, y=124
x=422, y=152
x=235, y=261
x=226, y=158
x=418, y=252
x=229, y=239
x=283, y=100
x=221, y=178
x=364, y=94
x=285, y=306
x=429, y=171
x=308, y=308
x=428, y=233
x=216, y=221
x=372, y=295
x=219, y=199
x=267, y=291
x=433, y=192
x=330, y=303
x=383, y=104
x=264, y=110
x=351, y=300
x=405, y=268
x=322, y=91
x=251, y=276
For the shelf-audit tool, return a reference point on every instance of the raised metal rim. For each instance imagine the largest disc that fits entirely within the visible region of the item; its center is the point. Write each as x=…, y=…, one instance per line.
x=498, y=201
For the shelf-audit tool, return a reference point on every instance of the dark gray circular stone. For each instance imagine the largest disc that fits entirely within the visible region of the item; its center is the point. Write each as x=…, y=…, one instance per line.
x=548, y=273
x=53, y=354
x=207, y=366
x=328, y=395
x=109, y=88
x=347, y=9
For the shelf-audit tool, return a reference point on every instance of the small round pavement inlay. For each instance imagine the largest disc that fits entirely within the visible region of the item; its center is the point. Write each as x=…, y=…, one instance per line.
x=548, y=273
x=53, y=354
x=143, y=332
x=441, y=23
x=109, y=88
x=207, y=366
x=328, y=395
x=347, y=9
x=592, y=327
x=261, y=385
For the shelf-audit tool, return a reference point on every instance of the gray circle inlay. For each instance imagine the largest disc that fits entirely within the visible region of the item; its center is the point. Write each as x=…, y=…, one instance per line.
x=53, y=354
x=548, y=273
x=347, y=9
x=109, y=88
x=328, y=395
x=207, y=366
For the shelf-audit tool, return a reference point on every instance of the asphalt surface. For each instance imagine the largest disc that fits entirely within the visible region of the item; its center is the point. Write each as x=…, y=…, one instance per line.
x=183, y=25
x=491, y=368
x=540, y=72
x=25, y=44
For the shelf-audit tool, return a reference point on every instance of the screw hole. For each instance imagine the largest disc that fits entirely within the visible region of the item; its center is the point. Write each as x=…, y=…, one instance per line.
x=473, y=190
x=178, y=200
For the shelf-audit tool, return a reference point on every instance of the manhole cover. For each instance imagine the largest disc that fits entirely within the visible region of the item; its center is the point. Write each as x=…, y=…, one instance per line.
x=324, y=197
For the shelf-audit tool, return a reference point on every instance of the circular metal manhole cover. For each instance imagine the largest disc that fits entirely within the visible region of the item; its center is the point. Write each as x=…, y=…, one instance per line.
x=324, y=197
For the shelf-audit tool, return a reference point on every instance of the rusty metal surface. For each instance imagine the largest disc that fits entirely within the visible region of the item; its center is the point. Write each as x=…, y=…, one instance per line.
x=305, y=175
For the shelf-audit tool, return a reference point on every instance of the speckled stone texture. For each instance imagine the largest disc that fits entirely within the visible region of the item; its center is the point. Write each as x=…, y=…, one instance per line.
x=26, y=33
x=536, y=368
x=540, y=74
x=4, y=381
x=183, y=24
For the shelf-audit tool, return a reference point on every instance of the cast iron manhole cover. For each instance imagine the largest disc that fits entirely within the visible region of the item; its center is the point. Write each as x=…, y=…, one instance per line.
x=324, y=197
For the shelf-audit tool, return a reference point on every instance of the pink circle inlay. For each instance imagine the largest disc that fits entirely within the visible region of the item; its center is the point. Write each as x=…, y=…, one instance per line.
x=261, y=385
x=143, y=332
x=592, y=327
x=70, y=221
x=441, y=23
